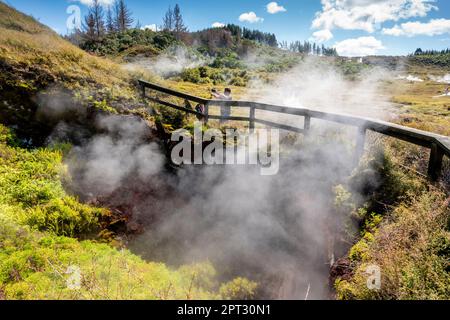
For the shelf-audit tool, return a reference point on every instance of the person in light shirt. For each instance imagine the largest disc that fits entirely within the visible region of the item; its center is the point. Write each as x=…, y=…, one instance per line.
x=226, y=95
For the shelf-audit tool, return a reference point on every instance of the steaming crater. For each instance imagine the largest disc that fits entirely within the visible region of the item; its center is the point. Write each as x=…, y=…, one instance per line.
x=280, y=231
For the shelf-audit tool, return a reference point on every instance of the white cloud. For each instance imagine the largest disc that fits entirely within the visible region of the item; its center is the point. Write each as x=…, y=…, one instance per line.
x=434, y=27
x=152, y=27
x=322, y=36
x=363, y=46
x=218, y=25
x=105, y=3
x=368, y=15
x=274, y=7
x=250, y=17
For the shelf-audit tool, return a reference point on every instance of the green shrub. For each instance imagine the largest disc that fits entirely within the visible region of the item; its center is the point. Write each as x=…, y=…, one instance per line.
x=65, y=217
x=239, y=289
x=191, y=75
x=412, y=250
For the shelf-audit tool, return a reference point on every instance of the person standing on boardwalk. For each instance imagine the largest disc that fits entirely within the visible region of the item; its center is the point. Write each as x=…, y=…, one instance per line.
x=225, y=110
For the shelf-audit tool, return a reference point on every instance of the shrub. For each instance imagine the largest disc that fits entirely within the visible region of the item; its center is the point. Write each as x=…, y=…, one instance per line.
x=65, y=217
x=238, y=289
x=412, y=249
x=191, y=75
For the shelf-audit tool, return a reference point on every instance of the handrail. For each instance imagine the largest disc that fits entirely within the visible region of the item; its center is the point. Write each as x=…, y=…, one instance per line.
x=439, y=144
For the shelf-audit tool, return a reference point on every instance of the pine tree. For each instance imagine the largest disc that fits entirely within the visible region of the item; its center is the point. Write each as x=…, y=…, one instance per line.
x=168, y=21
x=123, y=16
x=97, y=13
x=89, y=27
x=110, y=24
x=178, y=22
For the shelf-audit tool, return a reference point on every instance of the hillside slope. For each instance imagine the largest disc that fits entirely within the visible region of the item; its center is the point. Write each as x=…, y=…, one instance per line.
x=34, y=61
x=52, y=246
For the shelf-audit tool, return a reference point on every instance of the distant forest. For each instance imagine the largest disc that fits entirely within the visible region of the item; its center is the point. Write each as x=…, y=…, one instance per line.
x=420, y=52
x=440, y=58
x=114, y=29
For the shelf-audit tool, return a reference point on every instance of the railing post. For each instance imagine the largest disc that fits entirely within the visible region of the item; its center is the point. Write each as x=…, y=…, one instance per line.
x=435, y=164
x=143, y=91
x=307, y=126
x=252, y=119
x=206, y=113
x=360, y=144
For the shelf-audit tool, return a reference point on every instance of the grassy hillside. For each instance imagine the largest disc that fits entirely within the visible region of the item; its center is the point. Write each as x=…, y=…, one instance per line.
x=35, y=61
x=41, y=228
x=419, y=103
x=52, y=246
x=33, y=56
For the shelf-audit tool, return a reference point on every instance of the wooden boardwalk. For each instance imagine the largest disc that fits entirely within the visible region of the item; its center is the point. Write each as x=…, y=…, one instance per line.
x=439, y=145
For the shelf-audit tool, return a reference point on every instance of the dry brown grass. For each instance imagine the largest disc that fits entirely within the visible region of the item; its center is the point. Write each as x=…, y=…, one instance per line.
x=418, y=106
x=33, y=56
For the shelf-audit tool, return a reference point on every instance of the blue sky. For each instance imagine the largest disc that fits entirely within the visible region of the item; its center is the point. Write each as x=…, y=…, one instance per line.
x=355, y=27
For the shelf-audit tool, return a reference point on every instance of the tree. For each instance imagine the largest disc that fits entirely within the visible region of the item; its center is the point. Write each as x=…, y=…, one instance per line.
x=178, y=22
x=124, y=17
x=168, y=20
x=89, y=27
x=110, y=24
x=97, y=13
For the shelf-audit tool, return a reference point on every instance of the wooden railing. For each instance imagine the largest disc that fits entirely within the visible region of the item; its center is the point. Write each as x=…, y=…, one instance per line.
x=438, y=144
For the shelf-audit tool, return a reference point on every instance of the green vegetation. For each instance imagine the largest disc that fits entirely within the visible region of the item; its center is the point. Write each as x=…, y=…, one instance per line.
x=46, y=234
x=431, y=57
x=405, y=231
x=41, y=232
x=145, y=42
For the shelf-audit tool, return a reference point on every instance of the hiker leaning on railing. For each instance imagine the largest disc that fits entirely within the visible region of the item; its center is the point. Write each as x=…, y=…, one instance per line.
x=225, y=110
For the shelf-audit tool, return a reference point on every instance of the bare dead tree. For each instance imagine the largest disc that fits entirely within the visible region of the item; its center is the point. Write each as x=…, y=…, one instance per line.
x=89, y=27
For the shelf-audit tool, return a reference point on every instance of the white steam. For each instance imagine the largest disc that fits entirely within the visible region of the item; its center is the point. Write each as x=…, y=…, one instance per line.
x=101, y=166
x=322, y=87
x=442, y=79
x=410, y=78
x=170, y=63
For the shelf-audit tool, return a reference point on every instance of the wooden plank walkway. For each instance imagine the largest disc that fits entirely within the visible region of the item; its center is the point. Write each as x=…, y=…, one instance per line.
x=438, y=144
